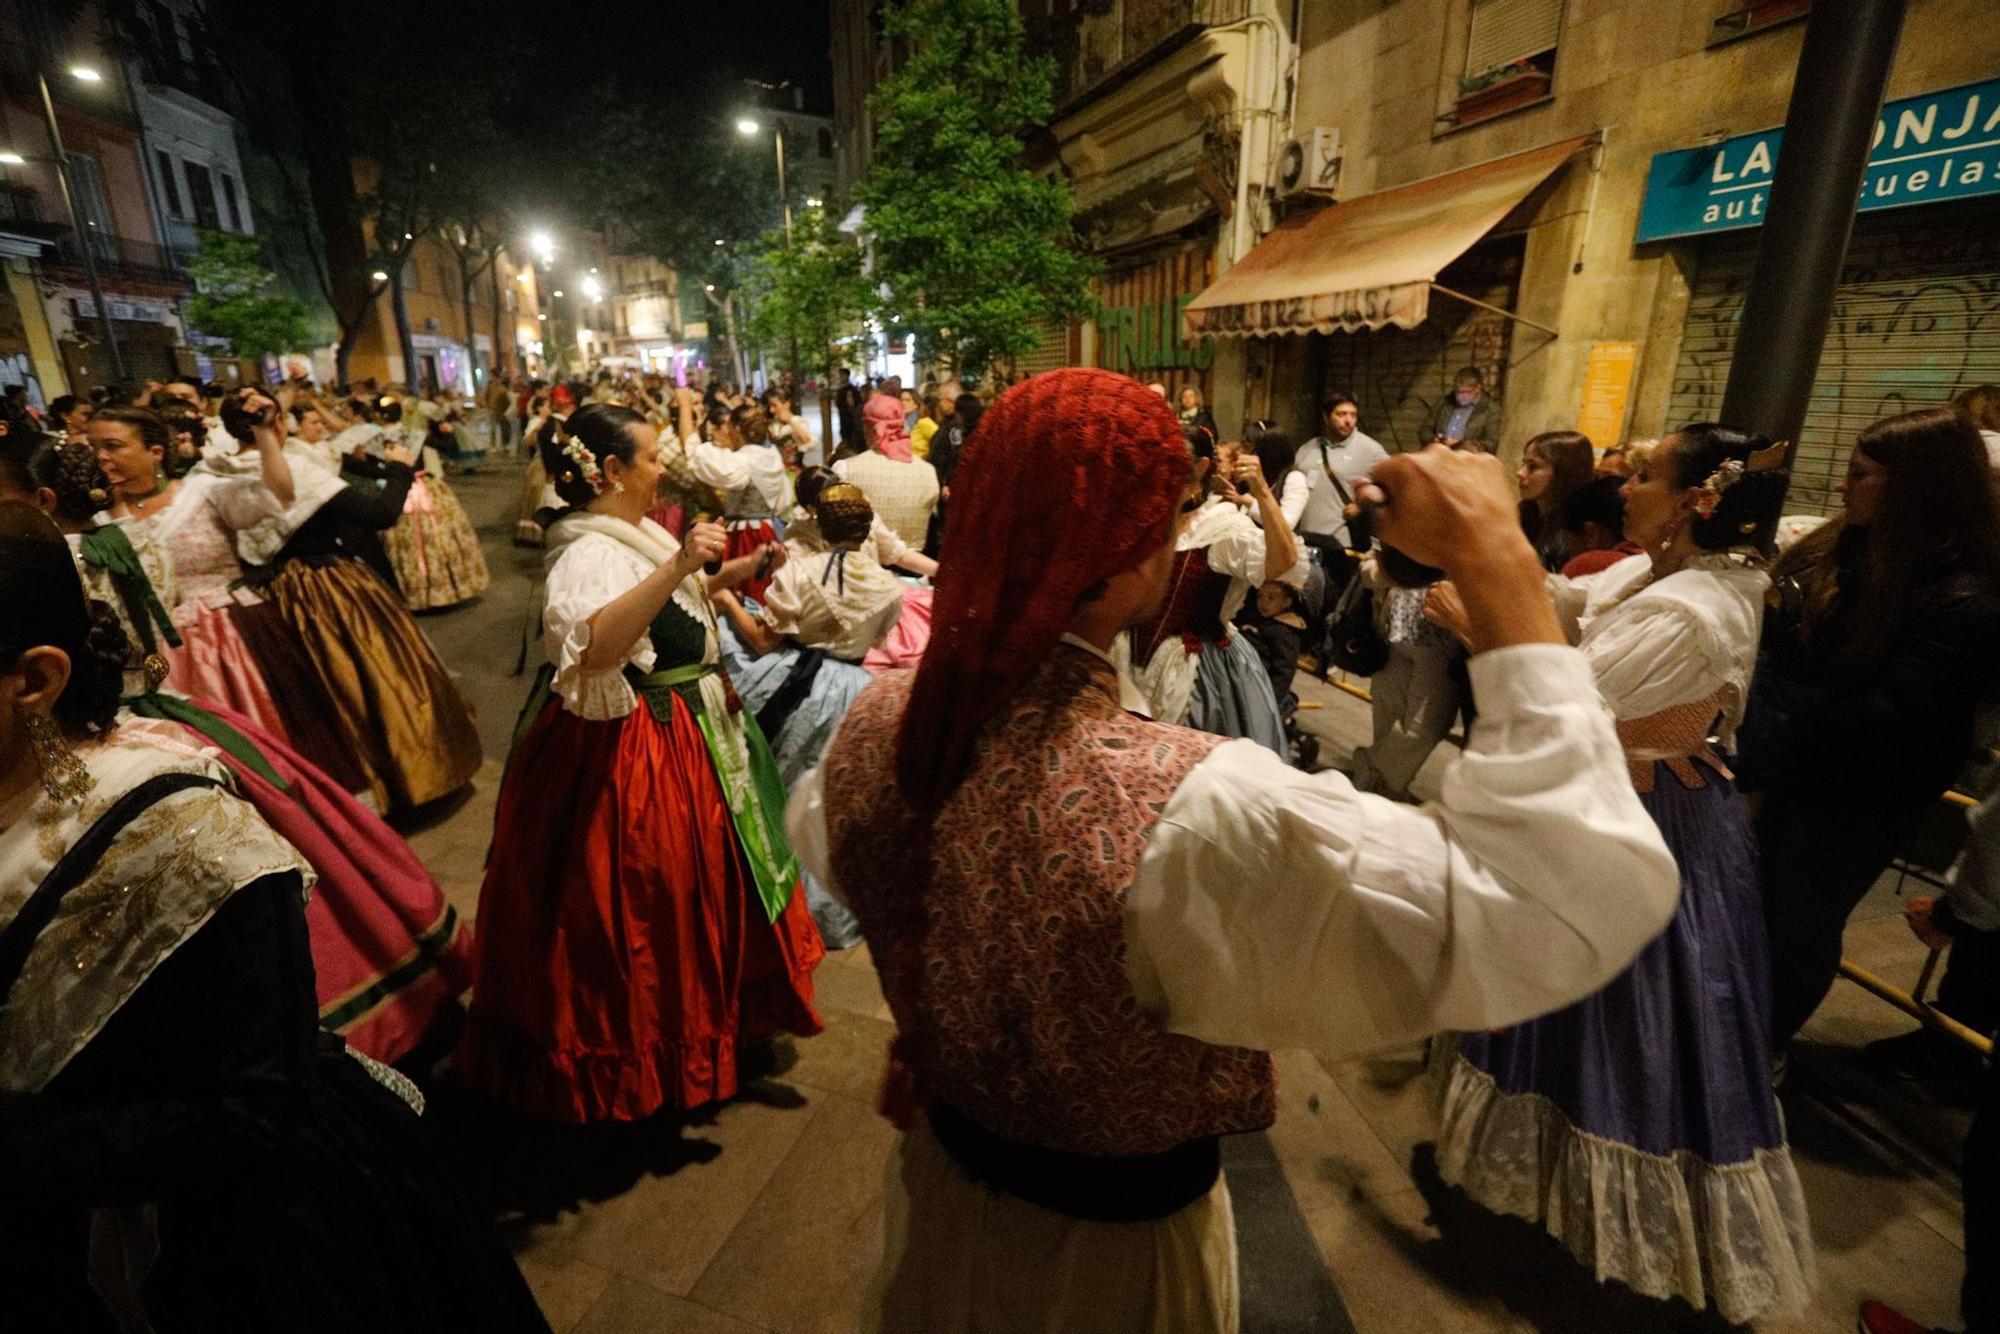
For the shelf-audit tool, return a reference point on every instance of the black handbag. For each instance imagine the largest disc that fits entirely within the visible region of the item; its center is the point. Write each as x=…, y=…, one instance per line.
x=1353, y=641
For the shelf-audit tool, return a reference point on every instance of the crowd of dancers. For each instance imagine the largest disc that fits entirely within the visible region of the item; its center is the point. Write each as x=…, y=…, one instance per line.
x=1003, y=686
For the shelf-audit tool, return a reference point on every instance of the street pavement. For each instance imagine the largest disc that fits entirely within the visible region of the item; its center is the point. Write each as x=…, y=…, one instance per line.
x=765, y=1214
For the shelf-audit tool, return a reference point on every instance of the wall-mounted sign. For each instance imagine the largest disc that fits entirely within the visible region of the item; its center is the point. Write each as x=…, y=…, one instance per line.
x=1147, y=337
x=1943, y=145
x=144, y=311
x=1607, y=384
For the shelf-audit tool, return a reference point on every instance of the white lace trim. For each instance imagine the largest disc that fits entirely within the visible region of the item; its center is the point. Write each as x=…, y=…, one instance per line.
x=1732, y=1236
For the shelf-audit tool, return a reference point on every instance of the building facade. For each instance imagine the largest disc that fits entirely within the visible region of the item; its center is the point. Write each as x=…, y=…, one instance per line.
x=96, y=113
x=1613, y=150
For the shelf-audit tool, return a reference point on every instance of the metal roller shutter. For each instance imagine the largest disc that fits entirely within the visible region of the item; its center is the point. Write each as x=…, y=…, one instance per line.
x=1400, y=376
x=1052, y=353
x=1916, y=319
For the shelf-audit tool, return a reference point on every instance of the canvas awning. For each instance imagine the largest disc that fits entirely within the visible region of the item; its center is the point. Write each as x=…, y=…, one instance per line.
x=1372, y=261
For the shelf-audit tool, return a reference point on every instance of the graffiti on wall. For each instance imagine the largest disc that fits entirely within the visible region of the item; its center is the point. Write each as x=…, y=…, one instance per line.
x=1916, y=319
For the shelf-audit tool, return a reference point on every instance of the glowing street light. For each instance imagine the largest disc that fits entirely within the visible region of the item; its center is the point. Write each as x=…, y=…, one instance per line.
x=543, y=246
x=558, y=291
x=591, y=287
x=747, y=126
x=814, y=202
x=85, y=74
x=708, y=287
x=11, y=159
x=718, y=240
x=379, y=276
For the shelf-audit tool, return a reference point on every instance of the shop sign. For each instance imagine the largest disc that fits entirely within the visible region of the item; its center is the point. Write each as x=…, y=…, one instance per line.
x=1940, y=146
x=1147, y=337
x=145, y=312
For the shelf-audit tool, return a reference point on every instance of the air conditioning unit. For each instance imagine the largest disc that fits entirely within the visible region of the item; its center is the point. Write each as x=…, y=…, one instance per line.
x=1309, y=164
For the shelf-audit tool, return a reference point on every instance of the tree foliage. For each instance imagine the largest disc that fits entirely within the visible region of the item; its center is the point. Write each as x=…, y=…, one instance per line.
x=234, y=300
x=973, y=250
x=813, y=293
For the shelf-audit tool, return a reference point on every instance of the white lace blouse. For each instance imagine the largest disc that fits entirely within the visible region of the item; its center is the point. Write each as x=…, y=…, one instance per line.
x=589, y=568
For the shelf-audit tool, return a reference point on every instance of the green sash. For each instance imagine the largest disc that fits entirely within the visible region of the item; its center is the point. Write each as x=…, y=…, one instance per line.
x=755, y=790
x=172, y=708
x=111, y=551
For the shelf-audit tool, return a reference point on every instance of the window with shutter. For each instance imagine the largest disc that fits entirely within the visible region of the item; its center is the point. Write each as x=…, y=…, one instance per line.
x=1507, y=32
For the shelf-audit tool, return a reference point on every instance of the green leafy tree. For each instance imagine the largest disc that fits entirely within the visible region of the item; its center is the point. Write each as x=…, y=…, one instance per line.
x=234, y=301
x=973, y=250
x=810, y=295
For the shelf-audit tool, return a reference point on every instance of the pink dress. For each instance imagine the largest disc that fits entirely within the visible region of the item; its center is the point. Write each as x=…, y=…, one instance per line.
x=388, y=951
x=233, y=642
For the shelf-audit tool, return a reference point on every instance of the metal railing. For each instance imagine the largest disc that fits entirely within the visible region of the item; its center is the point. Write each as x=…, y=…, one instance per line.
x=120, y=256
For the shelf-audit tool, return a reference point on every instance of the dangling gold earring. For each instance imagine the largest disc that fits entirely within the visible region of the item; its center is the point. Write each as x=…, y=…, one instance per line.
x=63, y=776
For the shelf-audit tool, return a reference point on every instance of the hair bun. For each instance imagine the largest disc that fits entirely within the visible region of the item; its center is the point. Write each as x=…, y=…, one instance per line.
x=97, y=677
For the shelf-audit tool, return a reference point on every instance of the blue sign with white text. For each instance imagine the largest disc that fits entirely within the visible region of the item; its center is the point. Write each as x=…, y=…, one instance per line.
x=1939, y=146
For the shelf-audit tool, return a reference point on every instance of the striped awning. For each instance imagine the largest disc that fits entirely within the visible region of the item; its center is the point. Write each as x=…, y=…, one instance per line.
x=1369, y=262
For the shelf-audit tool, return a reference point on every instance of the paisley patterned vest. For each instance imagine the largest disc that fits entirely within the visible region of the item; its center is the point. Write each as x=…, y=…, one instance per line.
x=1007, y=976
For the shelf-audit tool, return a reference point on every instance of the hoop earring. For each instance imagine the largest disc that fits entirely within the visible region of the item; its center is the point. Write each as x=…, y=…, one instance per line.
x=63, y=776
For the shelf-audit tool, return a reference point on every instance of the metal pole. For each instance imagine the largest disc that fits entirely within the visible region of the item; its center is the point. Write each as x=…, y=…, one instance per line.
x=783, y=198
x=76, y=224
x=1829, y=128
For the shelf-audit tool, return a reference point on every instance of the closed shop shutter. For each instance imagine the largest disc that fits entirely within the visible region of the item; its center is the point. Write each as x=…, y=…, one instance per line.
x=1052, y=353
x=1916, y=319
x=1401, y=376
x=1504, y=31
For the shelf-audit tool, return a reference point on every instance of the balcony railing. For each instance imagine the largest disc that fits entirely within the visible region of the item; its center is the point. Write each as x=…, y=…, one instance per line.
x=120, y=257
x=1090, y=48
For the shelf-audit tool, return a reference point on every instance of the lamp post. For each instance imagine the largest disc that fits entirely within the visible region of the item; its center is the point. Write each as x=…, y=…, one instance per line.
x=86, y=75
x=748, y=126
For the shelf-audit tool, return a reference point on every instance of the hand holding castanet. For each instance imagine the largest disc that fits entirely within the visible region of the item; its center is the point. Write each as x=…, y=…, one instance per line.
x=704, y=545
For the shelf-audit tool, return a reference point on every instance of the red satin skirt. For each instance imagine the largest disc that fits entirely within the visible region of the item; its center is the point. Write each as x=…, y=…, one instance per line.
x=623, y=952
x=746, y=538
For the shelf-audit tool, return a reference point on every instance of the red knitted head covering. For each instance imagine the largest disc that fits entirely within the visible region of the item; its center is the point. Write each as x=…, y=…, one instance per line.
x=1073, y=476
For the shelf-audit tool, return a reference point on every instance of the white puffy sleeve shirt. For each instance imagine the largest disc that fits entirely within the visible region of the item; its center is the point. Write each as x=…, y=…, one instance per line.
x=1654, y=645
x=592, y=572
x=1274, y=908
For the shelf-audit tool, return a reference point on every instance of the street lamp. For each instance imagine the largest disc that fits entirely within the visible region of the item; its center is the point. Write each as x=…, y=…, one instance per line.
x=83, y=74
x=379, y=276
x=543, y=246
x=11, y=159
x=591, y=287
x=748, y=127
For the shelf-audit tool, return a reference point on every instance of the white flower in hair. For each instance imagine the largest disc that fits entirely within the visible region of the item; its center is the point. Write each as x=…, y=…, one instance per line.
x=579, y=454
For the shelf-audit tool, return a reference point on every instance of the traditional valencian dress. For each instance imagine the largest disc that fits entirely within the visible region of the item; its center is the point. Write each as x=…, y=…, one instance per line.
x=182, y=1146
x=328, y=577
x=434, y=546
x=834, y=608
x=640, y=916
x=1081, y=953
x=1186, y=661
x=904, y=646
x=234, y=643
x=755, y=488
x=388, y=952
x=1639, y=1125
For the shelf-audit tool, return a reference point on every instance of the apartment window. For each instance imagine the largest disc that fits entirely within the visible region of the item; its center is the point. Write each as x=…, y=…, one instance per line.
x=170, y=181
x=1510, y=57
x=201, y=193
x=229, y=205
x=86, y=178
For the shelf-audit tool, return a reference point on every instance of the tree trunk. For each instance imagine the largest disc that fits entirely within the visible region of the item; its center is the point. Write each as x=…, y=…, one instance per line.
x=405, y=343
x=502, y=347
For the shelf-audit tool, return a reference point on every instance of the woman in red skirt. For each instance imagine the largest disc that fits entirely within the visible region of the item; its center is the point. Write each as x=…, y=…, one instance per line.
x=640, y=917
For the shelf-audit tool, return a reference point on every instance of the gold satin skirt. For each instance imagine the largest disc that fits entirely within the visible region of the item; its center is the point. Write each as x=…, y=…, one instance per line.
x=411, y=728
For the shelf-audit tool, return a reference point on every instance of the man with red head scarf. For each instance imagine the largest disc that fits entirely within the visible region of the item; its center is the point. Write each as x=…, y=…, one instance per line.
x=1091, y=926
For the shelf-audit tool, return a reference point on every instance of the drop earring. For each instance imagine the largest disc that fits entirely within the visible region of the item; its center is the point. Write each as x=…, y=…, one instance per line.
x=63, y=776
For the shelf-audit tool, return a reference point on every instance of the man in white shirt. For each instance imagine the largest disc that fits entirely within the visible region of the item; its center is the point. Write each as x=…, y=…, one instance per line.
x=904, y=493
x=1343, y=451
x=1090, y=926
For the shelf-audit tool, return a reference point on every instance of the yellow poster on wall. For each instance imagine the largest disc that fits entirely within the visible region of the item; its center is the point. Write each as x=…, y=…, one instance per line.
x=1607, y=386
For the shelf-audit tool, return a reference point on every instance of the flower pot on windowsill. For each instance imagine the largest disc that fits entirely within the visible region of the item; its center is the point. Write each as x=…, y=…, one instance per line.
x=1504, y=94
